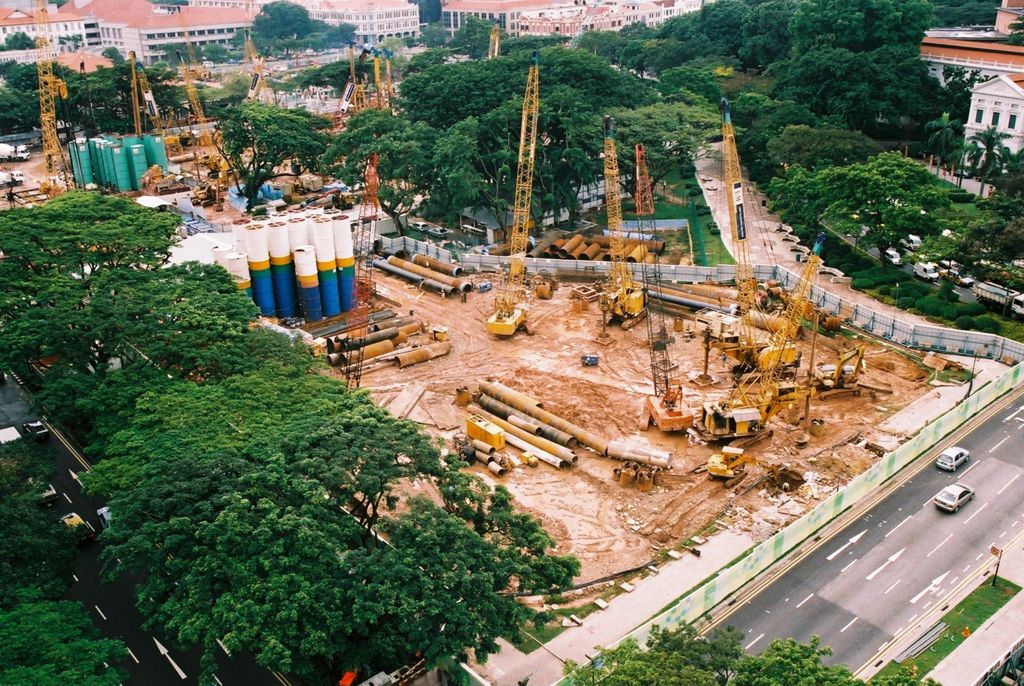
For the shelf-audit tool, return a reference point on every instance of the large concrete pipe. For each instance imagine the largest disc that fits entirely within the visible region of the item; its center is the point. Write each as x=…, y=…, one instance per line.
x=462, y=285
x=437, y=265
x=361, y=341
x=592, y=251
x=542, y=455
x=480, y=446
x=427, y=352
x=535, y=441
x=500, y=391
x=652, y=245
x=538, y=252
x=621, y=450
x=770, y=322
x=543, y=430
x=637, y=254
x=496, y=469
x=699, y=297
x=570, y=244
x=417, y=279
x=517, y=420
x=688, y=302
x=578, y=251
x=705, y=289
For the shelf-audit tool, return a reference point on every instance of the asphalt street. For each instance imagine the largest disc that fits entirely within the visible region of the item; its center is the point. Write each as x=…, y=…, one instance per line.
x=888, y=567
x=153, y=660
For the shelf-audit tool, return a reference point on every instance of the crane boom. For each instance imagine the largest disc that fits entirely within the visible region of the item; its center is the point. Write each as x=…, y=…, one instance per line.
x=369, y=209
x=624, y=300
x=194, y=103
x=509, y=313
x=494, y=45
x=50, y=88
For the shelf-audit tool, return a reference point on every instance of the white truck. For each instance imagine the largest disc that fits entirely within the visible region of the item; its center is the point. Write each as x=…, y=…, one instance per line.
x=927, y=271
x=11, y=178
x=11, y=153
x=999, y=298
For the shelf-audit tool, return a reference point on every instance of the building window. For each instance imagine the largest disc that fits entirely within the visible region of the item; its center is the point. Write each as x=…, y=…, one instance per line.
x=995, y=119
x=977, y=116
x=1012, y=124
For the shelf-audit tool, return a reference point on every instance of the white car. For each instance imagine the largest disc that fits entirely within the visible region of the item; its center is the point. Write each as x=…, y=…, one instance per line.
x=952, y=498
x=952, y=458
x=892, y=256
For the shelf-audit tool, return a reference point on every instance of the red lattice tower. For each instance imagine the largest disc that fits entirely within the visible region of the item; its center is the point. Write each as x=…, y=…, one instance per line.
x=359, y=320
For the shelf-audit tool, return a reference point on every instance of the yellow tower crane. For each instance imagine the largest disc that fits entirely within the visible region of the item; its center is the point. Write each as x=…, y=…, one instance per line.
x=379, y=97
x=624, y=299
x=747, y=410
x=194, y=103
x=253, y=57
x=142, y=99
x=509, y=310
x=56, y=179
x=494, y=46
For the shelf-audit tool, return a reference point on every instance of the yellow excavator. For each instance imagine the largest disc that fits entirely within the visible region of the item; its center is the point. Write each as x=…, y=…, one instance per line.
x=730, y=466
x=840, y=378
x=509, y=305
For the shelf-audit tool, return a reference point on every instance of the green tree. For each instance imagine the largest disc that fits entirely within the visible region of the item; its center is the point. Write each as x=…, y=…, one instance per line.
x=902, y=676
x=765, y=32
x=53, y=643
x=473, y=38
x=964, y=13
x=215, y=52
x=955, y=95
x=73, y=42
x=19, y=40
x=703, y=82
x=259, y=138
x=860, y=25
x=985, y=153
x=820, y=147
x=281, y=20
x=943, y=135
x=113, y=54
x=433, y=36
x=672, y=134
x=794, y=664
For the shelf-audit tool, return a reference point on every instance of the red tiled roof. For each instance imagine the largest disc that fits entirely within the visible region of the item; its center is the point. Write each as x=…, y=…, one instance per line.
x=980, y=46
x=363, y=5
x=141, y=14
x=1017, y=78
x=15, y=17
x=494, y=6
x=74, y=60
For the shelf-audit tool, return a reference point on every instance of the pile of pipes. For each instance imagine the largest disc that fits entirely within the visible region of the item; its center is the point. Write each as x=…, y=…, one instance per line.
x=382, y=342
x=643, y=475
x=577, y=247
x=427, y=273
x=498, y=463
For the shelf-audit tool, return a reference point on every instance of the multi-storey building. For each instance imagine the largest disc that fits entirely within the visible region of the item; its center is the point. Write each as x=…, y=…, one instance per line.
x=66, y=28
x=375, y=20
x=569, y=19
x=999, y=102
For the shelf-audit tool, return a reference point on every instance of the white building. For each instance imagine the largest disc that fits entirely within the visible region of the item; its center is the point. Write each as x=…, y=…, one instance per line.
x=142, y=26
x=999, y=103
x=567, y=19
x=62, y=25
x=375, y=20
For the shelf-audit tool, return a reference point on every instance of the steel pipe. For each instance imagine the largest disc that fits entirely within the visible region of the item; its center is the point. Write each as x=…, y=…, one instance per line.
x=518, y=421
x=496, y=469
x=570, y=244
x=621, y=450
x=483, y=447
x=533, y=442
x=437, y=265
x=462, y=285
x=360, y=342
x=520, y=398
x=500, y=391
x=422, y=354
x=417, y=279
x=592, y=251
x=510, y=413
x=393, y=321
x=687, y=302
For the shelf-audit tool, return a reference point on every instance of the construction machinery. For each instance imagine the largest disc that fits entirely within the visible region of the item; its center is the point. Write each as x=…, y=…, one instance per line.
x=358, y=324
x=734, y=334
x=253, y=57
x=494, y=46
x=142, y=99
x=56, y=176
x=730, y=465
x=195, y=68
x=762, y=393
x=195, y=104
x=509, y=305
x=840, y=378
x=664, y=408
x=623, y=299
x=353, y=94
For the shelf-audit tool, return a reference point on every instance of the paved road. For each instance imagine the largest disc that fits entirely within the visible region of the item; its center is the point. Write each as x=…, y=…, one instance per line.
x=111, y=605
x=885, y=569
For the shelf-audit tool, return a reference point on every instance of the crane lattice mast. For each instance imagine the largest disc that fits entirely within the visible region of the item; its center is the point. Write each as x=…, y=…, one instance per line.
x=56, y=179
x=658, y=335
x=494, y=45
x=369, y=210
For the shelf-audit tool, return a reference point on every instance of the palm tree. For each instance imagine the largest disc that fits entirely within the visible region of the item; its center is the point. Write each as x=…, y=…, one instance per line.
x=986, y=153
x=1013, y=162
x=944, y=133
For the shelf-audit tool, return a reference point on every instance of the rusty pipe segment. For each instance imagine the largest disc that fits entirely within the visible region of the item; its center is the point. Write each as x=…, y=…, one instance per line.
x=417, y=279
x=532, y=424
x=429, y=262
x=422, y=354
x=621, y=450
x=462, y=285
x=480, y=446
x=511, y=432
x=515, y=399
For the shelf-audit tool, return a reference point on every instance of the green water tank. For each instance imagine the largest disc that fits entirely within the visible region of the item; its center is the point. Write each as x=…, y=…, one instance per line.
x=122, y=171
x=137, y=163
x=156, y=151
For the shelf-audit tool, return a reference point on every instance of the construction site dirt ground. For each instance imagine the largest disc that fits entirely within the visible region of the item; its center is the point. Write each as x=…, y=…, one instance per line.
x=609, y=527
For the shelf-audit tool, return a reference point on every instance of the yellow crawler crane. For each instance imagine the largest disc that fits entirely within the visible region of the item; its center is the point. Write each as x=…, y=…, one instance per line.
x=494, y=46
x=759, y=396
x=624, y=299
x=195, y=104
x=56, y=178
x=509, y=311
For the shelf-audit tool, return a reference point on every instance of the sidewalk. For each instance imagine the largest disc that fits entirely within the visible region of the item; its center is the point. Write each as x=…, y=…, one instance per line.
x=993, y=639
x=625, y=612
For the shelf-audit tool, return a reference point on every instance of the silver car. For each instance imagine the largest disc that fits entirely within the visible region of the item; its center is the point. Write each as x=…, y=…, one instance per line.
x=952, y=458
x=952, y=498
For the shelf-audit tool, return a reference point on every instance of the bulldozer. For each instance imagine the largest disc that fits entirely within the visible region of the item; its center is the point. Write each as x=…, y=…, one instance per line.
x=840, y=379
x=730, y=465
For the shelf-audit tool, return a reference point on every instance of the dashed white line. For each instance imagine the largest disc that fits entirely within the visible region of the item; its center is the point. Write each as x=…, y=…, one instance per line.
x=66, y=497
x=75, y=578
x=893, y=586
x=100, y=611
x=133, y=656
x=893, y=530
x=811, y=595
x=939, y=545
x=975, y=513
x=953, y=582
x=964, y=473
x=966, y=568
x=979, y=557
x=848, y=625
x=912, y=619
x=1015, y=523
x=1007, y=484
x=847, y=566
x=218, y=680
x=753, y=642
x=1002, y=534
x=996, y=446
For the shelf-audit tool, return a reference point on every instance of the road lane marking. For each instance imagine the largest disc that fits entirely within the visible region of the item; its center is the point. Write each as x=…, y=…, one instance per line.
x=133, y=656
x=912, y=620
x=1007, y=484
x=975, y=513
x=74, y=476
x=965, y=569
x=1019, y=410
x=75, y=578
x=933, y=586
x=166, y=653
x=979, y=557
x=100, y=611
x=847, y=566
x=939, y=545
x=848, y=625
x=811, y=595
x=996, y=446
x=226, y=651
x=953, y=582
x=66, y=497
x=964, y=473
x=928, y=604
x=1002, y=534
x=892, y=558
x=898, y=526
x=846, y=545
x=1015, y=523
x=893, y=586
x=218, y=680
x=753, y=642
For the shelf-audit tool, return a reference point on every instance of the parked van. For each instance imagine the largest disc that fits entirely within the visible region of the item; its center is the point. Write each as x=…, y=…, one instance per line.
x=927, y=271
x=911, y=242
x=892, y=256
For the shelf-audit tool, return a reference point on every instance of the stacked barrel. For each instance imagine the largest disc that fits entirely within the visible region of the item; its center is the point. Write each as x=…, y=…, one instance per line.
x=299, y=263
